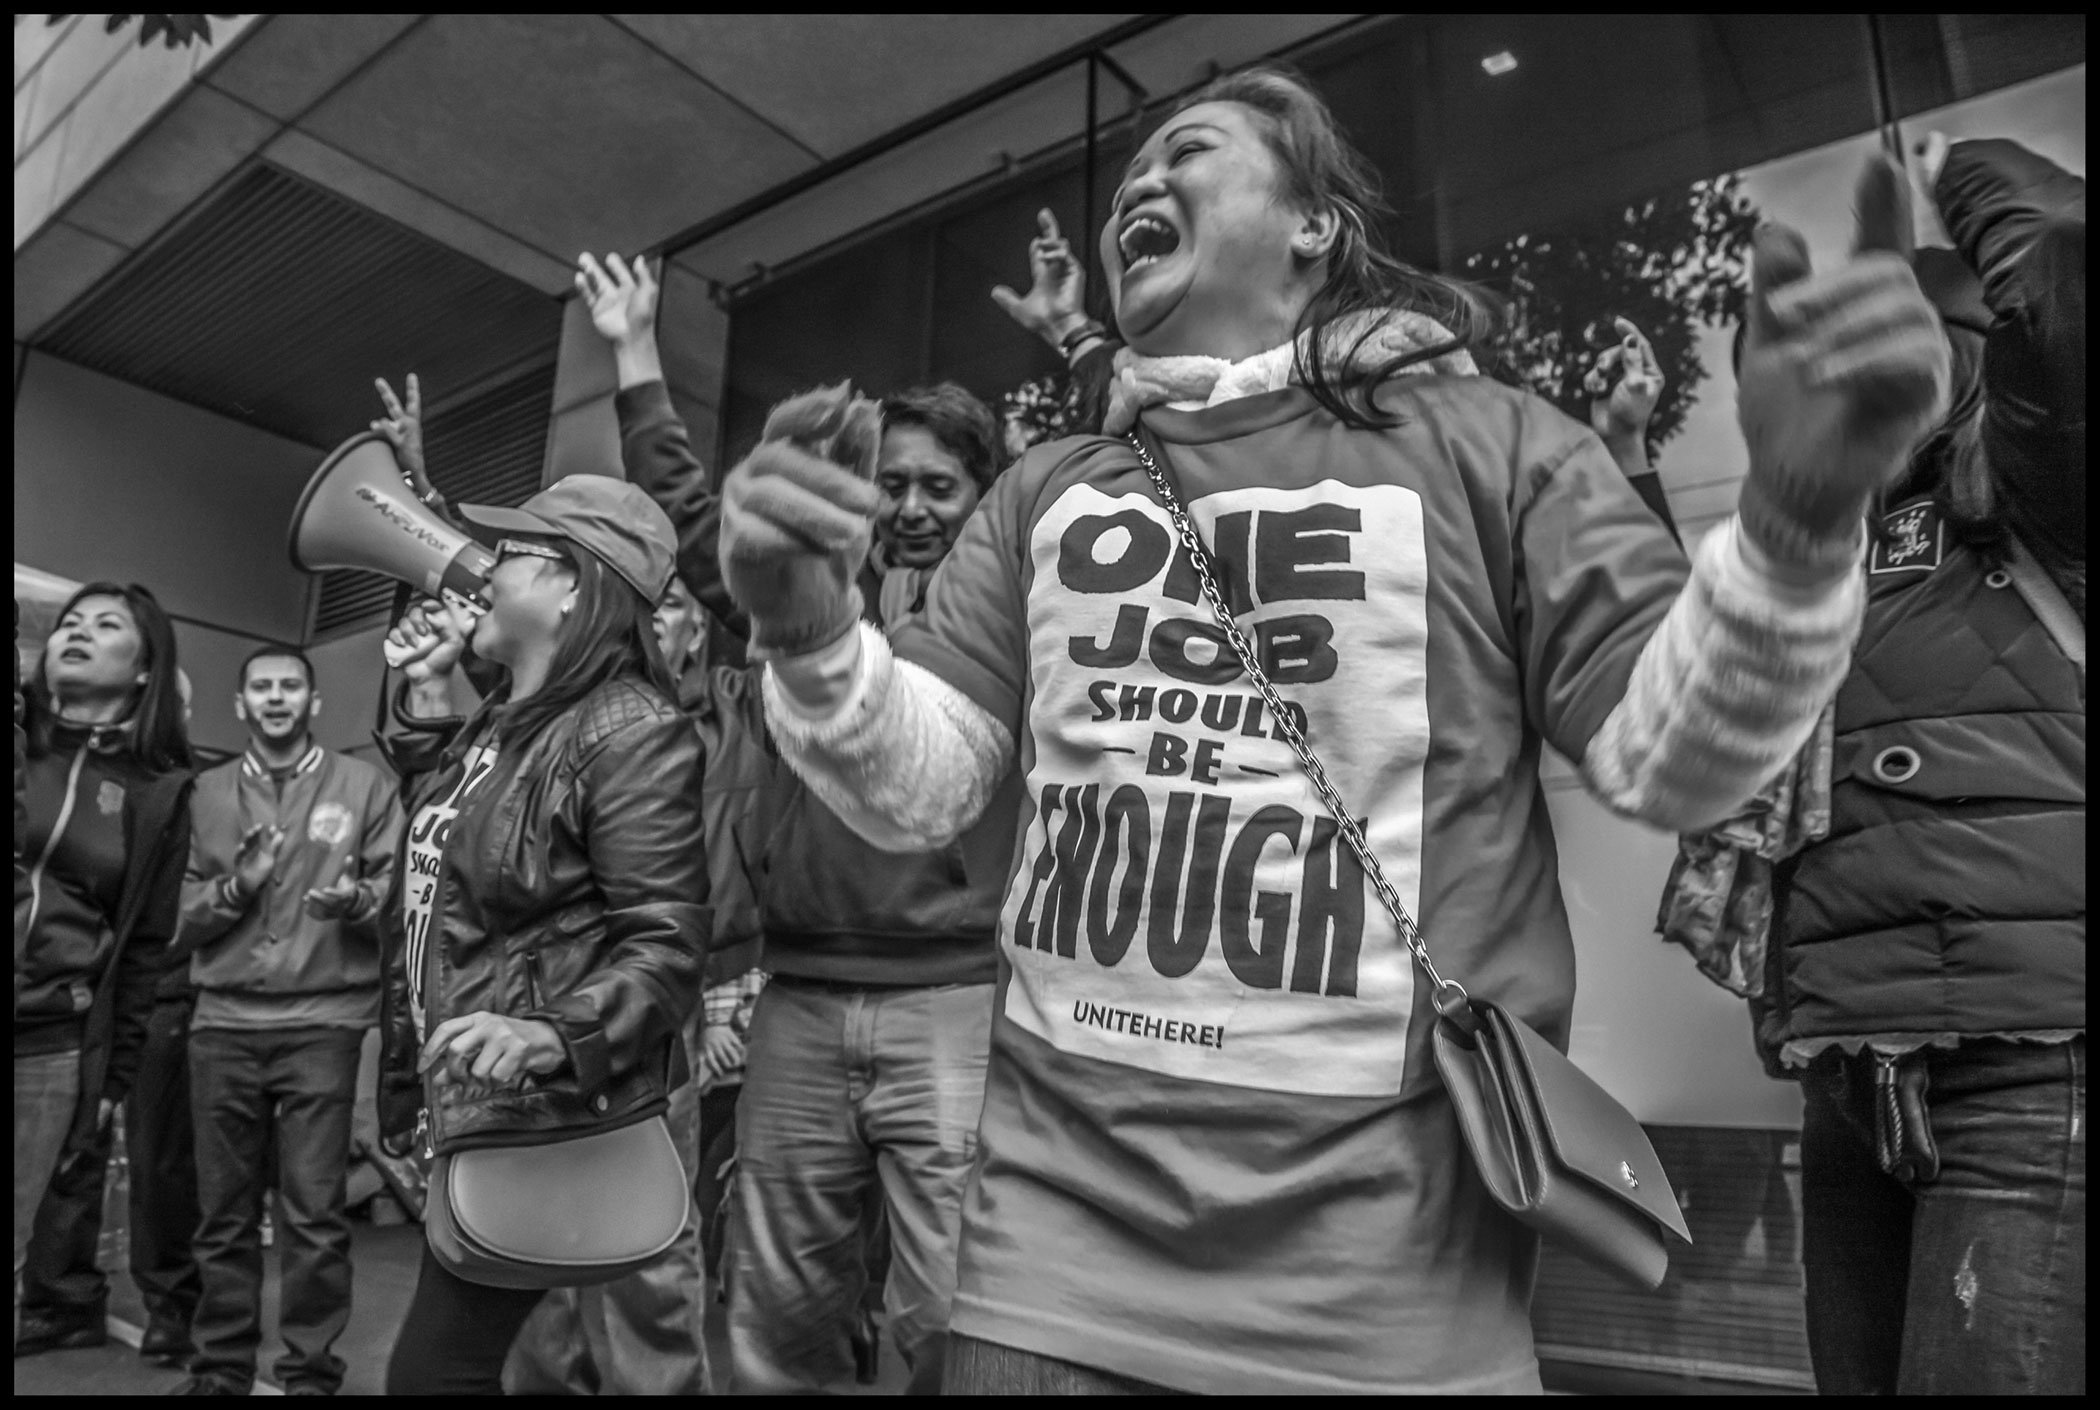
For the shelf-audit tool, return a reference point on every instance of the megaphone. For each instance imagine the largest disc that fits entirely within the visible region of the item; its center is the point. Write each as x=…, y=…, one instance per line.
x=358, y=512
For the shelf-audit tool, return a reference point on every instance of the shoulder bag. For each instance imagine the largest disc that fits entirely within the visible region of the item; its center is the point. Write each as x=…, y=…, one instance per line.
x=561, y=1214
x=1550, y=1145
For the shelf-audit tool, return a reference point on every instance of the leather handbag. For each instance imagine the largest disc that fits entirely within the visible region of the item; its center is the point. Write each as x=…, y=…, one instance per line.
x=1551, y=1146
x=558, y=1214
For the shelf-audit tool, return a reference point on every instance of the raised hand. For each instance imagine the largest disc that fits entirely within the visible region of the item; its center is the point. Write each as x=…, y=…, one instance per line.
x=796, y=518
x=403, y=428
x=1624, y=386
x=256, y=860
x=335, y=900
x=1842, y=374
x=1056, y=302
x=622, y=297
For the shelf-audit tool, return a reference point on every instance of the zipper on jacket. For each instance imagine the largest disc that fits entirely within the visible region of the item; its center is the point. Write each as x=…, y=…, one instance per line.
x=1888, y=1114
x=58, y=832
x=532, y=980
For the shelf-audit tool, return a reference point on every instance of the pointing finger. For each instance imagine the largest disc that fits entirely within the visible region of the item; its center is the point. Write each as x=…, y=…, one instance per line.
x=415, y=397
x=617, y=267
x=1047, y=223
x=642, y=277
x=1881, y=203
x=386, y=396
x=1778, y=257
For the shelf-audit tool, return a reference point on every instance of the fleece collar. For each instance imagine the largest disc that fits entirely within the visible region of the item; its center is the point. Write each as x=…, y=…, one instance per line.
x=1193, y=382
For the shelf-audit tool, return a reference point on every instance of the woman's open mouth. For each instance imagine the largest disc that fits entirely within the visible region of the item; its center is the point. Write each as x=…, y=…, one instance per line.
x=1144, y=240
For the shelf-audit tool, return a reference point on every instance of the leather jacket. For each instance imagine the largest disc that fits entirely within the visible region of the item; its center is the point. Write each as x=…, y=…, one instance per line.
x=572, y=888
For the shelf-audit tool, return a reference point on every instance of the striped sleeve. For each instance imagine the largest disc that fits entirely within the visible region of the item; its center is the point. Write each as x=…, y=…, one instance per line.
x=1726, y=690
x=904, y=758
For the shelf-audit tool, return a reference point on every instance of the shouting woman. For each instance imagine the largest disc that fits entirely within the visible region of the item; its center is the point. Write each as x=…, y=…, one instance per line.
x=1215, y=1154
x=553, y=880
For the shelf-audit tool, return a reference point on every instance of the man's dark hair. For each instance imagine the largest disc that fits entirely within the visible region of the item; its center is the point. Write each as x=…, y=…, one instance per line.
x=282, y=653
x=958, y=422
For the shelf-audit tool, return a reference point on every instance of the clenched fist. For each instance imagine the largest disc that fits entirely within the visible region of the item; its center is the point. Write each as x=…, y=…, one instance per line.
x=796, y=518
x=1842, y=374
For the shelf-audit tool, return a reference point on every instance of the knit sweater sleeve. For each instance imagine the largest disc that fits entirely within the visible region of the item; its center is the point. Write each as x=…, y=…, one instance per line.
x=907, y=760
x=1726, y=690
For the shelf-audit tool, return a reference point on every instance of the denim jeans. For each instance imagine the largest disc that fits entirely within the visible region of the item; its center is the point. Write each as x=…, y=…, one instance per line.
x=296, y=1087
x=979, y=1367
x=1967, y=1279
x=63, y=1280
x=850, y=1095
x=47, y=1091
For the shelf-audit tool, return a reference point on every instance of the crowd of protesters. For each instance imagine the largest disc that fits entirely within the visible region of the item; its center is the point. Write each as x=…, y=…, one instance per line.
x=822, y=914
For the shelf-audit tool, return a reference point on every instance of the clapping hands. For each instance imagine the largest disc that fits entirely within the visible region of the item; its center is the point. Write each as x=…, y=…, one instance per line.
x=337, y=899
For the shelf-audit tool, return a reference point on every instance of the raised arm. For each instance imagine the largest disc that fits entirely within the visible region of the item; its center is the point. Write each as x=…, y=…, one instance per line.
x=1054, y=309
x=656, y=450
x=1996, y=198
x=1842, y=374
x=904, y=758
x=1624, y=386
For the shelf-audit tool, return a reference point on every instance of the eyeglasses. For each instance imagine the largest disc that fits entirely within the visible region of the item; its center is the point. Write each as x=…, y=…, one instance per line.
x=511, y=548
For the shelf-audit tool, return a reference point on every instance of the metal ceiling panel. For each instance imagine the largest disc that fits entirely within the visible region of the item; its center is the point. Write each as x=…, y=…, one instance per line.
x=277, y=303
x=566, y=131
x=1032, y=123
x=835, y=81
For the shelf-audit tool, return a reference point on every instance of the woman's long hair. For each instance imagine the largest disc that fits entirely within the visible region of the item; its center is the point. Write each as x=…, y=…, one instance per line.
x=609, y=633
x=156, y=735
x=1322, y=171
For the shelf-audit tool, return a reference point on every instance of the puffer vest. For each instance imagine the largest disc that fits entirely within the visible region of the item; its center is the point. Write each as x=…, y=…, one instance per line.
x=1949, y=897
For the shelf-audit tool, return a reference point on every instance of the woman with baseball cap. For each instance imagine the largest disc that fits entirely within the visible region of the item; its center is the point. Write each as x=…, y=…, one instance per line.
x=553, y=906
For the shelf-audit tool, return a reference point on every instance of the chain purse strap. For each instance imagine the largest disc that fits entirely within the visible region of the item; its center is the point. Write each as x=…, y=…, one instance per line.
x=1449, y=997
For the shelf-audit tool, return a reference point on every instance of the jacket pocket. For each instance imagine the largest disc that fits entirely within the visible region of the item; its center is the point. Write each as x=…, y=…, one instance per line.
x=535, y=988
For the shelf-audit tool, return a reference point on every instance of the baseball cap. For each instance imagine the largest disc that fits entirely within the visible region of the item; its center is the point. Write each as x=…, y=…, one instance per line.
x=612, y=518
